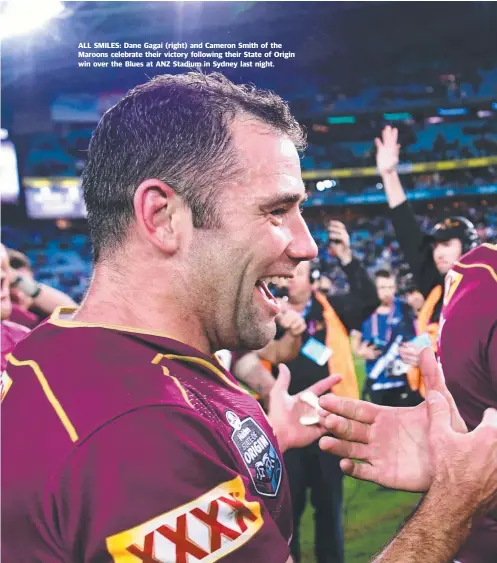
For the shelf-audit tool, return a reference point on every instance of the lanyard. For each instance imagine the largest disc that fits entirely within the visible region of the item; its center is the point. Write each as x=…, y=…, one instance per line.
x=374, y=325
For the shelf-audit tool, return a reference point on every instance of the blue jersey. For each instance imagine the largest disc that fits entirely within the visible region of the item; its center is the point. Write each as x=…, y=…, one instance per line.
x=387, y=332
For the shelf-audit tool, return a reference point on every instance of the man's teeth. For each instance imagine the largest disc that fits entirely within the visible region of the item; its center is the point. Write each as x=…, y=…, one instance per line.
x=275, y=280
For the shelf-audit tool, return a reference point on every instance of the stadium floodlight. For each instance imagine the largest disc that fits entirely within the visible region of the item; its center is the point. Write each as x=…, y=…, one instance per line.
x=320, y=186
x=19, y=17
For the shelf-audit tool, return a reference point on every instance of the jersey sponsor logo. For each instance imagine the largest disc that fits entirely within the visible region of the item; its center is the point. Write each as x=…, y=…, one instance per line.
x=5, y=384
x=258, y=454
x=452, y=281
x=206, y=530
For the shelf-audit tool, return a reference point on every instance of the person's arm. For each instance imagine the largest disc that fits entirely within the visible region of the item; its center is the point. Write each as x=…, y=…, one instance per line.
x=353, y=309
x=355, y=341
x=161, y=483
x=434, y=533
x=286, y=348
x=361, y=301
x=249, y=370
x=283, y=350
x=414, y=245
x=45, y=298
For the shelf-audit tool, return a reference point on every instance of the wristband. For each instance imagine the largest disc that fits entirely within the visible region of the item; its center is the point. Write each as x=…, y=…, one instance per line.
x=30, y=287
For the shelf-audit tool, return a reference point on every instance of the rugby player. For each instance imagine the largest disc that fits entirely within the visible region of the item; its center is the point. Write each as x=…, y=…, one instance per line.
x=124, y=439
x=395, y=442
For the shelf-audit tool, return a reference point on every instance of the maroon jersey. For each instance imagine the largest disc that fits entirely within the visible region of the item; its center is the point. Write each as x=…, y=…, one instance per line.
x=468, y=356
x=25, y=318
x=12, y=333
x=125, y=446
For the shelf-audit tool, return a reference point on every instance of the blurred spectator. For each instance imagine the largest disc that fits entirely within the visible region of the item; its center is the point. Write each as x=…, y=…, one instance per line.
x=32, y=301
x=11, y=332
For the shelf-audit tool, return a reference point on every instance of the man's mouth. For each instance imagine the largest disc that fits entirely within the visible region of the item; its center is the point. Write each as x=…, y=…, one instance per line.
x=263, y=289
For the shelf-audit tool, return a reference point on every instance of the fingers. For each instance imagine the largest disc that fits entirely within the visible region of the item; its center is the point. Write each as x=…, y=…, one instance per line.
x=347, y=429
x=283, y=380
x=360, y=411
x=342, y=448
x=430, y=370
x=489, y=419
x=378, y=143
x=324, y=385
x=362, y=471
x=438, y=409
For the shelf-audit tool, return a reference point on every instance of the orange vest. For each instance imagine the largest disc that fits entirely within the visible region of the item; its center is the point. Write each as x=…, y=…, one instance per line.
x=414, y=377
x=341, y=361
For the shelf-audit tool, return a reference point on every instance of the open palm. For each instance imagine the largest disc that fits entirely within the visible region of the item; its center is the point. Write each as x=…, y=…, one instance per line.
x=392, y=441
x=387, y=150
x=285, y=411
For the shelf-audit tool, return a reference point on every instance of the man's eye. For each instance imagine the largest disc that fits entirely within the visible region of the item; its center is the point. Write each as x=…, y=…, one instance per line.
x=278, y=212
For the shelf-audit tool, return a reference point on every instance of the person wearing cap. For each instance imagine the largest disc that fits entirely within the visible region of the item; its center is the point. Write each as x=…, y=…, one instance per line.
x=430, y=256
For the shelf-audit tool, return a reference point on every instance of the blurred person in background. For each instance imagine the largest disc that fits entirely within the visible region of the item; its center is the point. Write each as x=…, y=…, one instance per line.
x=32, y=301
x=12, y=332
x=254, y=368
x=378, y=344
x=430, y=257
x=415, y=299
x=325, y=349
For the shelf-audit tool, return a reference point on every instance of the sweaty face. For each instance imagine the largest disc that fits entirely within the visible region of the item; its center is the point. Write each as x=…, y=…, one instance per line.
x=6, y=304
x=386, y=288
x=445, y=254
x=300, y=287
x=262, y=235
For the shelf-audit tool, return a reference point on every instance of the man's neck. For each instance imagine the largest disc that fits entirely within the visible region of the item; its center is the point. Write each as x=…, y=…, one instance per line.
x=110, y=302
x=384, y=309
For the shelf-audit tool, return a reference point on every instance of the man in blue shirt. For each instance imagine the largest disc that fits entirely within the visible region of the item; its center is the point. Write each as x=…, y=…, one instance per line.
x=378, y=343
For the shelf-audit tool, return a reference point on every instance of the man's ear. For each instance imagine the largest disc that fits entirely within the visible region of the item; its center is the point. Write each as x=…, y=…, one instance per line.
x=156, y=205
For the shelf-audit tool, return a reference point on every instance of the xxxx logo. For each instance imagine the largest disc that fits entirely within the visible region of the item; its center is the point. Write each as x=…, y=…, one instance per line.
x=205, y=530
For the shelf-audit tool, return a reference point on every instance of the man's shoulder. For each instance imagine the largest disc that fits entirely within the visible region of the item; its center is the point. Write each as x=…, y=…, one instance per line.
x=481, y=259
x=474, y=279
x=93, y=373
x=13, y=332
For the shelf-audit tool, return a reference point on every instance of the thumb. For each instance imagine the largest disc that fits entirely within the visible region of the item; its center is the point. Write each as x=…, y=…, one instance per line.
x=283, y=380
x=438, y=409
x=430, y=370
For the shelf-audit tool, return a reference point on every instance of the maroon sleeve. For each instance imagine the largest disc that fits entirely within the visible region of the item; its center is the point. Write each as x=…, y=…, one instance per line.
x=158, y=485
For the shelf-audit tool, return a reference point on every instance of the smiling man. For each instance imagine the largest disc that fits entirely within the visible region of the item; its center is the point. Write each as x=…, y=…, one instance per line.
x=144, y=448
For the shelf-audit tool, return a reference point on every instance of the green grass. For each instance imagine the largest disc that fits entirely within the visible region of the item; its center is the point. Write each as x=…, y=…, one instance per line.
x=372, y=515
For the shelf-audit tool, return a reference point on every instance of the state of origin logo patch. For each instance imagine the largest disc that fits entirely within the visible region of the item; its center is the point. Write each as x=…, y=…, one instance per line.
x=258, y=454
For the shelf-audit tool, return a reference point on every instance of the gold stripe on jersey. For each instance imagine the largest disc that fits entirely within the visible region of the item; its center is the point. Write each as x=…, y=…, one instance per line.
x=49, y=394
x=5, y=384
x=69, y=323
x=490, y=246
x=489, y=269
x=208, y=365
x=182, y=390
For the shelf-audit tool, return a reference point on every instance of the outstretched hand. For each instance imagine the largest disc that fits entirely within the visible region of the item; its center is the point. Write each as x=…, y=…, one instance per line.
x=387, y=150
x=392, y=441
x=285, y=411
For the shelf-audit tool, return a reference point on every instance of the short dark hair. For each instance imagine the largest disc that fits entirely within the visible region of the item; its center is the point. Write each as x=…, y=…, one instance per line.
x=174, y=128
x=18, y=259
x=383, y=273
